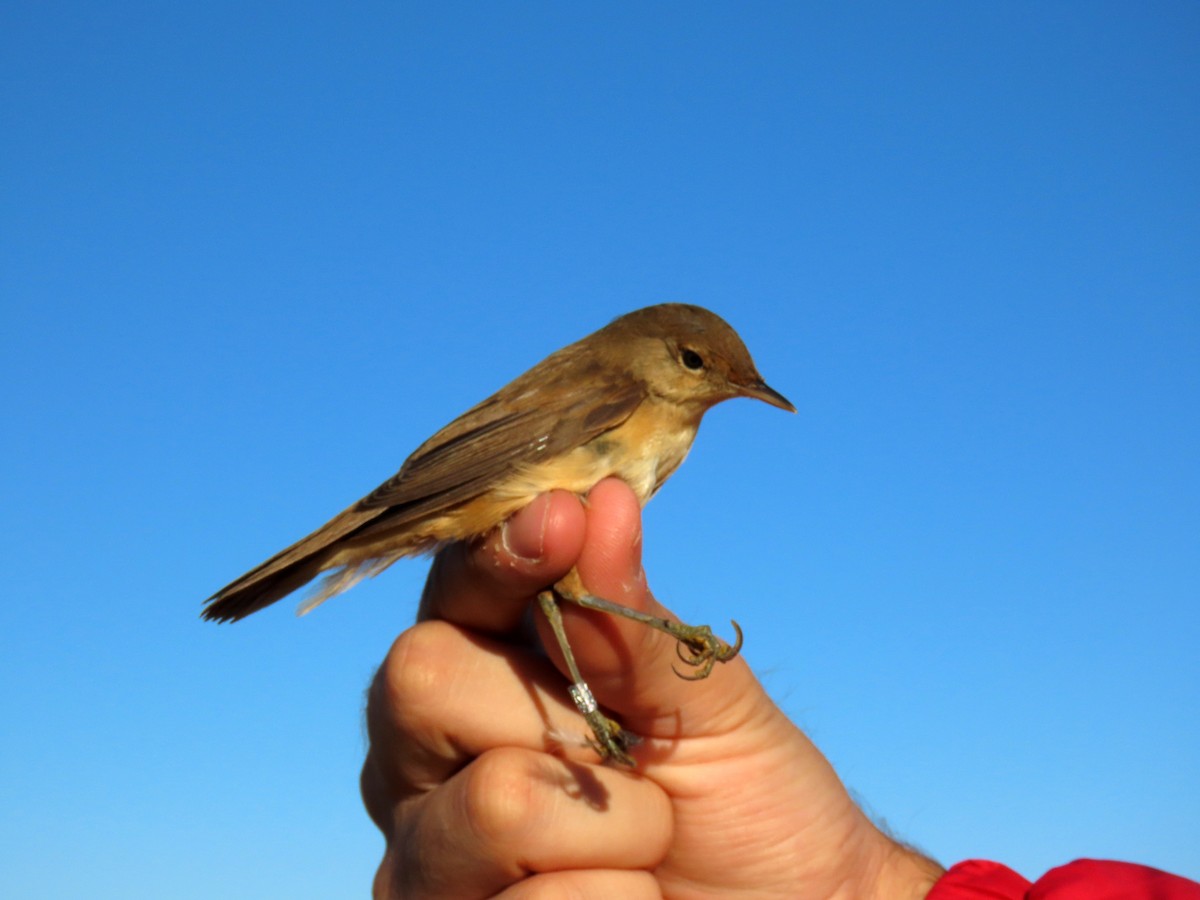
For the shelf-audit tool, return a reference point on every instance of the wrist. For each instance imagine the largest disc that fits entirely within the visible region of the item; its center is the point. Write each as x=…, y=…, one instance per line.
x=903, y=873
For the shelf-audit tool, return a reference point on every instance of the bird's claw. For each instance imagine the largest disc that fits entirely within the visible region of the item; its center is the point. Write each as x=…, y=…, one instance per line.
x=699, y=648
x=610, y=740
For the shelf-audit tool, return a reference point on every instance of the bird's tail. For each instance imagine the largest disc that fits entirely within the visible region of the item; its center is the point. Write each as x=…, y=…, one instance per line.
x=249, y=593
x=297, y=565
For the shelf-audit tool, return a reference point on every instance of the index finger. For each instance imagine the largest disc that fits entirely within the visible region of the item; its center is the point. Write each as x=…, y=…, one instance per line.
x=486, y=584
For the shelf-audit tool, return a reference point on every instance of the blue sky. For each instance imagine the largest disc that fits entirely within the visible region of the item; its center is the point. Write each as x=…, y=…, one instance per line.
x=253, y=254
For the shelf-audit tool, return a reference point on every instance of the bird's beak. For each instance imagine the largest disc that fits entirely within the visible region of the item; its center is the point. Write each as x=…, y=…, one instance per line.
x=759, y=390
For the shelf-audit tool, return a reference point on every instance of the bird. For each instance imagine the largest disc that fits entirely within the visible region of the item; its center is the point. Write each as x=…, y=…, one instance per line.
x=625, y=401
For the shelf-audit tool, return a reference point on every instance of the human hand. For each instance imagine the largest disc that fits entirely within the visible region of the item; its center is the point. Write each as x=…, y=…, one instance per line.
x=475, y=799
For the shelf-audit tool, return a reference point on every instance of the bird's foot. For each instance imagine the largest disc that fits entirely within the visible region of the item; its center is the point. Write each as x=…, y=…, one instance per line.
x=610, y=740
x=699, y=648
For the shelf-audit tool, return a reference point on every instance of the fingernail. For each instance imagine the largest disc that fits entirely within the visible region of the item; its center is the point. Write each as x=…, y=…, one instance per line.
x=524, y=535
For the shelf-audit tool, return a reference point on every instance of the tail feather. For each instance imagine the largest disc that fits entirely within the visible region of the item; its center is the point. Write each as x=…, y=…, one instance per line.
x=242, y=598
x=342, y=579
x=288, y=570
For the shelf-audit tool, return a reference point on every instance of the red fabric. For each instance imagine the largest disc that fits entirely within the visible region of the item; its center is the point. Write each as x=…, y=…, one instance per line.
x=1084, y=879
x=978, y=879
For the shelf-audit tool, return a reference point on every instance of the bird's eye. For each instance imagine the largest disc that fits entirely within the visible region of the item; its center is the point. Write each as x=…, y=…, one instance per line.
x=692, y=359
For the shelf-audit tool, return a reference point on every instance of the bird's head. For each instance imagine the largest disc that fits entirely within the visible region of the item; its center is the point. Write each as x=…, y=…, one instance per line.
x=689, y=355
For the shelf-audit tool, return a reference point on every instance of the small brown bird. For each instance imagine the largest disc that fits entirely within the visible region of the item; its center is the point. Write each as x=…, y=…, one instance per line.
x=625, y=401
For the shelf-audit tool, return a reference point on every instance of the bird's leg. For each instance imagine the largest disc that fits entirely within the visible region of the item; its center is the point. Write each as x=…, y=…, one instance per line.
x=698, y=647
x=610, y=740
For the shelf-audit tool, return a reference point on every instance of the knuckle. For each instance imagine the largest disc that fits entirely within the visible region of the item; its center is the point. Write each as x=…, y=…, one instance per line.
x=416, y=669
x=505, y=796
x=376, y=794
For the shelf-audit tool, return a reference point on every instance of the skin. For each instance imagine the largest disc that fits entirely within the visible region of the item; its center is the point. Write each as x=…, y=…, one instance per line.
x=479, y=781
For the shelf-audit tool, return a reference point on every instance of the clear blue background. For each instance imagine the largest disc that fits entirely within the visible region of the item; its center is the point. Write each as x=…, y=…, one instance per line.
x=254, y=253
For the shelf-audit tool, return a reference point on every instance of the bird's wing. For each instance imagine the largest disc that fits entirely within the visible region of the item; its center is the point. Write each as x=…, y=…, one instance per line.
x=532, y=419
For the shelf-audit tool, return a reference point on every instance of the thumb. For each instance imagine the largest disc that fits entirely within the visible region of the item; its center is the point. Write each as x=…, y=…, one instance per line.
x=631, y=667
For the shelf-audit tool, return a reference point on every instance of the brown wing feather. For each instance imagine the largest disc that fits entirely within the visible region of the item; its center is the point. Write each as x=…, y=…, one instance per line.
x=564, y=401
x=497, y=438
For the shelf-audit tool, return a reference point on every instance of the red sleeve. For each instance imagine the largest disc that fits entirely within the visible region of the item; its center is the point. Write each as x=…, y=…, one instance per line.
x=1084, y=879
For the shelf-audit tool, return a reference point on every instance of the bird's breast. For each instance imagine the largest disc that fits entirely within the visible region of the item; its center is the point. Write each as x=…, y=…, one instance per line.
x=647, y=447
x=642, y=451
